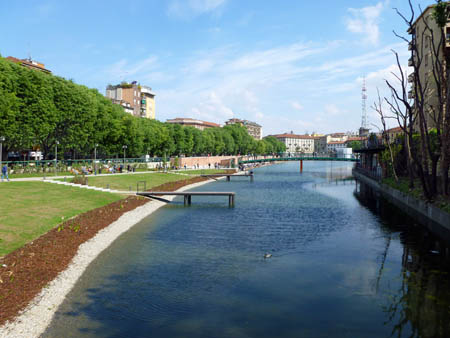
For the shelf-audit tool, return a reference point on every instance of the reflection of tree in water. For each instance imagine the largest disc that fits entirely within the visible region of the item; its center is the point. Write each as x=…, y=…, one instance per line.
x=423, y=300
x=420, y=307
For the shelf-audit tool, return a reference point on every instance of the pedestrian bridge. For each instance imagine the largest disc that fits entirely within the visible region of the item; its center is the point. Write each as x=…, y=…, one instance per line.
x=301, y=158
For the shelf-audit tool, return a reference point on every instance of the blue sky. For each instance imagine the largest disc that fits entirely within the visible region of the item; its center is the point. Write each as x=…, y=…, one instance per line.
x=288, y=65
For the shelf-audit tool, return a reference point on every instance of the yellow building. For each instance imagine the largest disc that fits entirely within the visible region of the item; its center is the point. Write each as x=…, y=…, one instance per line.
x=147, y=102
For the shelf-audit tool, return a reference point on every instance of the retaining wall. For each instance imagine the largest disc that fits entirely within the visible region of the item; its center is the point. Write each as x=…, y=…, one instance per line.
x=434, y=218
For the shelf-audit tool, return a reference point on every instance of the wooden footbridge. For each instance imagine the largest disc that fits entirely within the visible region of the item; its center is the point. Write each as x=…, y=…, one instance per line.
x=187, y=195
x=228, y=176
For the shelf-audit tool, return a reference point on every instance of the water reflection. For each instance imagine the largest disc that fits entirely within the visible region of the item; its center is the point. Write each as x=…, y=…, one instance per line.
x=341, y=266
x=420, y=305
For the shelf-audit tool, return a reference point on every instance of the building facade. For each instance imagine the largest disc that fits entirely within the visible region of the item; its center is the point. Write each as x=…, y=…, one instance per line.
x=423, y=32
x=29, y=63
x=393, y=133
x=253, y=128
x=140, y=100
x=147, y=102
x=199, y=124
x=297, y=144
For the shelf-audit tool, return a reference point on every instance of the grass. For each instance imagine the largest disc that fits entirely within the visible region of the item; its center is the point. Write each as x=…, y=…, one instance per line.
x=30, y=209
x=403, y=185
x=152, y=179
x=124, y=182
x=202, y=171
x=49, y=174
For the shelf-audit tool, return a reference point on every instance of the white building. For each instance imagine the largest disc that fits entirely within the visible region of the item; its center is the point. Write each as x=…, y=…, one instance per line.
x=333, y=146
x=302, y=144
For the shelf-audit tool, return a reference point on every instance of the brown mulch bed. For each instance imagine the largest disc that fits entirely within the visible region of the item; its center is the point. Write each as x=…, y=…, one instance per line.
x=25, y=271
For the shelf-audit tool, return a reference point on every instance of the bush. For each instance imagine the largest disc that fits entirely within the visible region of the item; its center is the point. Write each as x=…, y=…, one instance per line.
x=80, y=179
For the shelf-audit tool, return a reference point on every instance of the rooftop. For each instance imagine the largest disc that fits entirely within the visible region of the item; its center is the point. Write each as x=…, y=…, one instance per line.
x=287, y=135
x=188, y=120
x=29, y=63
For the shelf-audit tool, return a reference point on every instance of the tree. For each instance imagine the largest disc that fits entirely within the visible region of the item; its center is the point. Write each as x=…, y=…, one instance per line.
x=415, y=116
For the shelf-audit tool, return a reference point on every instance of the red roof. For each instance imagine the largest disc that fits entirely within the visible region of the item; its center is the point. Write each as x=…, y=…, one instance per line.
x=357, y=138
x=29, y=63
x=286, y=135
x=395, y=130
x=184, y=120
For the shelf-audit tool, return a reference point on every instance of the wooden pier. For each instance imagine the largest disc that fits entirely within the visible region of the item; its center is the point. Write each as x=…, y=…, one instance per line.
x=228, y=176
x=188, y=195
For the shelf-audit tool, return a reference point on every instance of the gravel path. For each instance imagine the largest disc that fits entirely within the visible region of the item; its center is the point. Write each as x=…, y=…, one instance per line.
x=33, y=321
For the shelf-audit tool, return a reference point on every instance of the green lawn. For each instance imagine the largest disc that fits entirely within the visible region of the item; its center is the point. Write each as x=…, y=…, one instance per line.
x=50, y=174
x=30, y=209
x=202, y=171
x=124, y=182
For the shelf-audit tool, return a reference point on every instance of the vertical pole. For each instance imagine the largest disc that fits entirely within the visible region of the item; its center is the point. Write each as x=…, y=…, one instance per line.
x=95, y=160
x=301, y=166
x=185, y=200
x=228, y=178
x=56, y=157
x=1, y=151
x=189, y=199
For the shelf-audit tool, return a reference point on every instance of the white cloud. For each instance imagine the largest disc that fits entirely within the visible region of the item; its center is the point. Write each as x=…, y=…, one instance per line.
x=332, y=109
x=365, y=21
x=296, y=105
x=212, y=109
x=215, y=85
x=191, y=8
x=124, y=70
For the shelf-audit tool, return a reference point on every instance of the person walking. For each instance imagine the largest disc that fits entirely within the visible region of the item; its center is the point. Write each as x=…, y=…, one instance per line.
x=5, y=172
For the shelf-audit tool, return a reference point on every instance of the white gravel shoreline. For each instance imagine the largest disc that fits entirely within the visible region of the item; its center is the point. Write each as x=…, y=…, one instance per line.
x=33, y=321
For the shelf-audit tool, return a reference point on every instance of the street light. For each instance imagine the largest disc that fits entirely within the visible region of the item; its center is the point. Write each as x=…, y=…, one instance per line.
x=2, y=139
x=95, y=158
x=56, y=156
x=124, y=149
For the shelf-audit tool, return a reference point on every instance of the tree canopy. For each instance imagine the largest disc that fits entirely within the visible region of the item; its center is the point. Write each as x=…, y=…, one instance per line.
x=37, y=110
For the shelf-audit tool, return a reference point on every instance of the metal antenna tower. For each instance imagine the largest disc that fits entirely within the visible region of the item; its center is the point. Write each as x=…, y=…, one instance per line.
x=363, y=104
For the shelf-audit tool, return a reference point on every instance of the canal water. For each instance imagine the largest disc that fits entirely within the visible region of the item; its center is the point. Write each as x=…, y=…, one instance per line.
x=343, y=265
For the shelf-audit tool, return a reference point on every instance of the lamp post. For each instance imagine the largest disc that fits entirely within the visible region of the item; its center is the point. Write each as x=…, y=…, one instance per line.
x=56, y=156
x=95, y=158
x=124, y=150
x=2, y=139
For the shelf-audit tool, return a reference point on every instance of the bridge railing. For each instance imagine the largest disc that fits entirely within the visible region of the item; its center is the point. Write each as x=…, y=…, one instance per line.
x=300, y=158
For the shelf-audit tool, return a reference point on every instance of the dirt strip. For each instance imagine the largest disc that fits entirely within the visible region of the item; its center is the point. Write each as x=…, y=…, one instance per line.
x=25, y=271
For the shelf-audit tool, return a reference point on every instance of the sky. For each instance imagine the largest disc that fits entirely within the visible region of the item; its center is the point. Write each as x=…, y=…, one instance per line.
x=289, y=65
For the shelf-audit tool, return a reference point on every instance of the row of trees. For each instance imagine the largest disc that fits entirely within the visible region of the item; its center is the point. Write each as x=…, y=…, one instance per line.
x=422, y=110
x=39, y=111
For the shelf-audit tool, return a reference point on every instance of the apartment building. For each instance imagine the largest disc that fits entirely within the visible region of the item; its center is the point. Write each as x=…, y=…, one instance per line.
x=297, y=143
x=421, y=47
x=253, y=128
x=147, y=102
x=393, y=133
x=199, y=124
x=320, y=144
x=29, y=63
x=134, y=98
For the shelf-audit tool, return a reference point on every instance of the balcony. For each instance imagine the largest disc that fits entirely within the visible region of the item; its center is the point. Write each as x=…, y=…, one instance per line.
x=410, y=45
x=411, y=78
x=411, y=94
x=410, y=62
x=411, y=30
